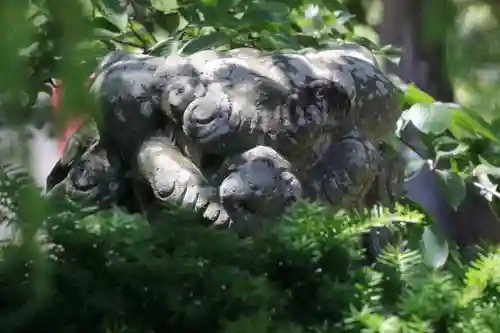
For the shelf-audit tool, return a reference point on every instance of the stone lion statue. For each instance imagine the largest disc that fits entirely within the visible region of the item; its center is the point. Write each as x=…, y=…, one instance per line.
x=237, y=136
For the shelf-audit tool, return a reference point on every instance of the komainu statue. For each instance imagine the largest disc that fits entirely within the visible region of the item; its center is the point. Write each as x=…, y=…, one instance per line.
x=237, y=136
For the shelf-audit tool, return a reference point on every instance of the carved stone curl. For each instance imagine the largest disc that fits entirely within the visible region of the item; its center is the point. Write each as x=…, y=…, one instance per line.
x=238, y=136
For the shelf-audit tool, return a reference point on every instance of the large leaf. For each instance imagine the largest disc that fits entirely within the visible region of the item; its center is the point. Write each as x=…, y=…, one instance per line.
x=453, y=186
x=434, y=247
x=429, y=118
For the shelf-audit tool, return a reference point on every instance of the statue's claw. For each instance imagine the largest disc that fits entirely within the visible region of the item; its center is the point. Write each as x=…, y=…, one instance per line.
x=175, y=178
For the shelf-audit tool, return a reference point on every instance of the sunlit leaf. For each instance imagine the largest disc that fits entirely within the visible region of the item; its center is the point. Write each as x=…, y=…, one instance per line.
x=429, y=118
x=413, y=95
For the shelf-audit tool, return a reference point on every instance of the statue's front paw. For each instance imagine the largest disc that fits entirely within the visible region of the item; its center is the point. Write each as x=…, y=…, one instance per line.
x=174, y=178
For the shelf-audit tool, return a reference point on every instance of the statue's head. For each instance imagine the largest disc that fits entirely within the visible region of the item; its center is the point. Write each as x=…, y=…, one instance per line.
x=258, y=183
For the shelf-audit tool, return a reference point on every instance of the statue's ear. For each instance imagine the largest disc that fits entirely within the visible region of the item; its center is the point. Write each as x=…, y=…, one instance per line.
x=73, y=151
x=338, y=97
x=58, y=174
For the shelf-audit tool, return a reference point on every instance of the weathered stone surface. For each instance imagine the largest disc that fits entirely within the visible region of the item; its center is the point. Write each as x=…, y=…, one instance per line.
x=241, y=135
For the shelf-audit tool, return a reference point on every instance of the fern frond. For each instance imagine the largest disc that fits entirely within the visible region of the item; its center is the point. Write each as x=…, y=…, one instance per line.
x=405, y=264
x=482, y=272
x=398, y=267
x=433, y=296
x=13, y=179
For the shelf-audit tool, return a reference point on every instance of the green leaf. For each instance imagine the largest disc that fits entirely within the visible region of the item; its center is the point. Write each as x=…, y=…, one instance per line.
x=486, y=169
x=474, y=123
x=203, y=42
x=413, y=95
x=434, y=247
x=104, y=24
x=167, y=21
x=391, y=53
x=447, y=147
x=453, y=186
x=267, y=12
x=164, y=47
x=165, y=5
x=363, y=41
x=306, y=40
x=429, y=118
x=115, y=11
x=342, y=17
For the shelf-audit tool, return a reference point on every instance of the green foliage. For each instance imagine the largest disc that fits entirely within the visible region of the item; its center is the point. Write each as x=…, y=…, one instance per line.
x=113, y=272
x=462, y=146
x=65, y=39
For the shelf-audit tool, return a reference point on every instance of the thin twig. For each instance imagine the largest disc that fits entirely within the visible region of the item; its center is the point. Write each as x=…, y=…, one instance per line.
x=482, y=187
